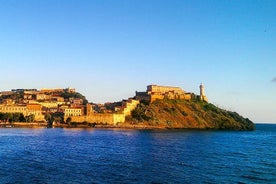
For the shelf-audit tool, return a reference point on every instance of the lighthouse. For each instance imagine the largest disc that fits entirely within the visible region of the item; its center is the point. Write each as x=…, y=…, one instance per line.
x=202, y=93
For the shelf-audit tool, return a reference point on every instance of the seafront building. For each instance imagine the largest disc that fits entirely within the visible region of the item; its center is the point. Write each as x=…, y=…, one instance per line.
x=26, y=110
x=35, y=102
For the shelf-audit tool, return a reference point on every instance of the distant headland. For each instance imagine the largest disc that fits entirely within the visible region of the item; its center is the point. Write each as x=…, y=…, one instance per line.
x=157, y=107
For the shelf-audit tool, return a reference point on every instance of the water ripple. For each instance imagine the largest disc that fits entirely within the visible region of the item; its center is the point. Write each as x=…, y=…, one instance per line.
x=137, y=156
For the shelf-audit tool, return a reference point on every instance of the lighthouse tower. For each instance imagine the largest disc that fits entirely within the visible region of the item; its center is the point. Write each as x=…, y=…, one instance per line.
x=202, y=93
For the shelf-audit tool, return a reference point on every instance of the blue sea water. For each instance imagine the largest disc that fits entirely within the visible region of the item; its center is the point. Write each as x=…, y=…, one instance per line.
x=137, y=156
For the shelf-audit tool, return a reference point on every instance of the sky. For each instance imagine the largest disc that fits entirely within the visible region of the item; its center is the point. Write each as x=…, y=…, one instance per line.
x=109, y=49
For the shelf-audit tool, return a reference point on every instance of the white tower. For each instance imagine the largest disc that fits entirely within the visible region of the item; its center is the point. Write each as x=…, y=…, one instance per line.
x=201, y=87
x=202, y=93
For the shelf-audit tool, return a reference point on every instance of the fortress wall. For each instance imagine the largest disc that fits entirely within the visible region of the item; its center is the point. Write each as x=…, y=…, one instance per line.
x=164, y=89
x=155, y=92
x=118, y=118
x=130, y=106
x=187, y=96
x=154, y=97
x=95, y=118
x=110, y=119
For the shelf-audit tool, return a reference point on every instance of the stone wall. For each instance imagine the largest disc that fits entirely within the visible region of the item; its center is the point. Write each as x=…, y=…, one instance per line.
x=110, y=119
x=154, y=97
x=160, y=92
x=164, y=89
x=157, y=96
x=129, y=106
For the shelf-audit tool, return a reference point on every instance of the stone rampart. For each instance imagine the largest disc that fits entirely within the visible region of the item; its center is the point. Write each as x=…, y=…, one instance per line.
x=130, y=106
x=108, y=118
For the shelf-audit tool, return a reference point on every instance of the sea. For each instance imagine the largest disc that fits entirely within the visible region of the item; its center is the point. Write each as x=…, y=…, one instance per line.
x=94, y=155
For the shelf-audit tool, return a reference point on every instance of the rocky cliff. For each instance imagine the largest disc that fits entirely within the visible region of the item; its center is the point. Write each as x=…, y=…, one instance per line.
x=194, y=114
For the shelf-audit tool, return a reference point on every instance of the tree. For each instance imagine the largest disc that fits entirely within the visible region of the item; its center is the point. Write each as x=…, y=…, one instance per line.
x=69, y=120
x=58, y=117
x=48, y=117
x=30, y=118
x=68, y=95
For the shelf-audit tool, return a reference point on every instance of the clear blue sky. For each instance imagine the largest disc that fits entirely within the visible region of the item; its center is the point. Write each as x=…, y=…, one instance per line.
x=108, y=49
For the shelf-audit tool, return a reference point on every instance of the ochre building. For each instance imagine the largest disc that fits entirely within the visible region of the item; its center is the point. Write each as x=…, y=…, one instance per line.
x=155, y=92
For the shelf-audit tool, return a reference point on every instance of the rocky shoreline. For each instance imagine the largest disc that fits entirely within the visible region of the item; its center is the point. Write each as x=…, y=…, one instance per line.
x=96, y=126
x=24, y=125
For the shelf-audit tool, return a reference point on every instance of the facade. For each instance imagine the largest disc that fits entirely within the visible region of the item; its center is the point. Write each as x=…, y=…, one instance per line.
x=142, y=96
x=47, y=90
x=35, y=109
x=72, y=112
x=88, y=110
x=43, y=96
x=155, y=92
x=76, y=101
x=106, y=118
x=164, y=89
x=160, y=92
x=51, y=104
x=13, y=109
x=26, y=110
x=129, y=106
x=57, y=99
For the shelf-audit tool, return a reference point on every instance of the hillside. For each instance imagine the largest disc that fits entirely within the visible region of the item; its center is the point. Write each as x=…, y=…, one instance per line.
x=192, y=114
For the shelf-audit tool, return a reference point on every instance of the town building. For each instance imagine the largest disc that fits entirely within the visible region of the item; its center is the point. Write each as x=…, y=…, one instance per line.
x=72, y=111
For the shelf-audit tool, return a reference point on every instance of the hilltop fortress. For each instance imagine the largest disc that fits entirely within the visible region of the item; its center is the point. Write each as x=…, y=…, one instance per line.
x=66, y=105
x=155, y=92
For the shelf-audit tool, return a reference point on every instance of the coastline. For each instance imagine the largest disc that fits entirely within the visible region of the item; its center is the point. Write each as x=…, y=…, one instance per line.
x=159, y=107
x=23, y=125
x=98, y=126
x=62, y=125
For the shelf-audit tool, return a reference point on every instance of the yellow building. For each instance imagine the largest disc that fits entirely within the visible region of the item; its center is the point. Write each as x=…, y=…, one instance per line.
x=160, y=92
x=13, y=109
x=164, y=89
x=72, y=111
x=129, y=106
x=26, y=110
x=42, y=96
x=51, y=104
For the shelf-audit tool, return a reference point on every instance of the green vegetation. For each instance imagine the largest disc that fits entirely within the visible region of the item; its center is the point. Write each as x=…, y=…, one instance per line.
x=16, y=97
x=16, y=117
x=140, y=113
x=57, y=117
x=67, y=95
x=188, y=114
x=30, y=118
